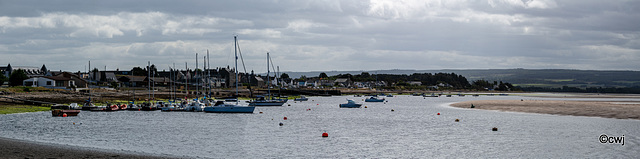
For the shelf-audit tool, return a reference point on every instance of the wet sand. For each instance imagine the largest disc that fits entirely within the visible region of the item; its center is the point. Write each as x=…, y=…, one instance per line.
x=606, y=109
x=12, y=148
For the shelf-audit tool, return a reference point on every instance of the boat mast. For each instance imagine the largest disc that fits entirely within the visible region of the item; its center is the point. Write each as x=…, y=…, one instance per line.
x=235, y=47
x=186, y=81
x=196, y=73
x=208, y=73
x=204, y=68
x=170, y=84
x=149, y=79
x=278, y=80
x=173, y=81
x=268, y=80
x=89, y=85
x=153, y=92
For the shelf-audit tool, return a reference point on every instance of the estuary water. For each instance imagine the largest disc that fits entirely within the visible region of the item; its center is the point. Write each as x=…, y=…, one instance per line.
x=412, y=130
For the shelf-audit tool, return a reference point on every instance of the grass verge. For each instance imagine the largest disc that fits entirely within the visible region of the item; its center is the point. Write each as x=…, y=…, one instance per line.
x=10, y=109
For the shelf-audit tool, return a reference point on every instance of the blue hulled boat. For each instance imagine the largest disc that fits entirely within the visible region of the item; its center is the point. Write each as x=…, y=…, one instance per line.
x=221, y=107
x=374, y=99
x=350, y=104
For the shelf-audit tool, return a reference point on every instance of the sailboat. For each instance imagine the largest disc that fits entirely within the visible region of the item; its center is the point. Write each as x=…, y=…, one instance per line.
x=374, y=98
x=220, y=106
x=267, y=101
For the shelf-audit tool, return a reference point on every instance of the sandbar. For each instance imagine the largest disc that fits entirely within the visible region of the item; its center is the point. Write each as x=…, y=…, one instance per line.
x=605, y=109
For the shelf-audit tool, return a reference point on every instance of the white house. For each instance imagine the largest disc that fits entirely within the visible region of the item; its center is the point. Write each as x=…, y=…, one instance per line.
x=49, y=82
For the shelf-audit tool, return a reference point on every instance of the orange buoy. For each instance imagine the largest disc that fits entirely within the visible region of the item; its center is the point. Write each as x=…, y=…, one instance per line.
x=457, y=120
x=325, y=134
x=285, y=118
x=438, y=113
x=260, y=112
x=494, y=129
x=365, y=106
x=64, y=114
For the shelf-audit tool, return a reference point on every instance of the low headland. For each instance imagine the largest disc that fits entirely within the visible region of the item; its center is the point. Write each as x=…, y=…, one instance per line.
x=605, y=109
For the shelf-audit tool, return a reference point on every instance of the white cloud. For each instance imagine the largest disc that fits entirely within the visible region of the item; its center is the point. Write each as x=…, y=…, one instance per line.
x=330, y=35
x=265, y=33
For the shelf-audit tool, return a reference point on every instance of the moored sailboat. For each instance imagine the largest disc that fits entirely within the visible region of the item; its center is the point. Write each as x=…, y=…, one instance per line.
x=267, y=101
x=221, y=107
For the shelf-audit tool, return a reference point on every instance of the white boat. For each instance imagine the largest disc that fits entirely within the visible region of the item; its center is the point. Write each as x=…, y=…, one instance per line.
x=195, y=106
x=302, y=98
x=221, y=107
x=263, y=101
x=374, y=99
x=350, y=104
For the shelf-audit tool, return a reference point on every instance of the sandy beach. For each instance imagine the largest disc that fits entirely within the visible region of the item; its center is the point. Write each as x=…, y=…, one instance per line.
x=12, y=148
x=606, y=109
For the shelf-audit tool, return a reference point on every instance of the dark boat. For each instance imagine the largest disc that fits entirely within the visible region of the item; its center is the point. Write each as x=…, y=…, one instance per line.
x=88, y=105
x=302, y=98
x=63, y=110
x=147, y=106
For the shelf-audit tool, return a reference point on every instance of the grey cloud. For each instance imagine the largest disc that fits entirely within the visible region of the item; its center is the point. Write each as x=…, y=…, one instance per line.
x=324, y=35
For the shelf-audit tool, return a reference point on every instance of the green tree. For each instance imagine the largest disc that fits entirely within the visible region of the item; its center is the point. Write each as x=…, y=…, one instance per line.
x=284, y=76
x=114, y=84
x=2, y=78
x=16, y=78
x=302, y=78
x=154, y=70
x=323, y=75
x=137, y=71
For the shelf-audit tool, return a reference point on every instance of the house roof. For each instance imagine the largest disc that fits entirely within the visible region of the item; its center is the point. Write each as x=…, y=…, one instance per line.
x=341, y=80
x=160, y=79
x=132, y=78
x=57, y=78
x=110, y=75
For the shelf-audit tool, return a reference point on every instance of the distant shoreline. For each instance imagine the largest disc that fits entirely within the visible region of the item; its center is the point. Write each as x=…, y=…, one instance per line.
x=13, y=148
x=605, y=109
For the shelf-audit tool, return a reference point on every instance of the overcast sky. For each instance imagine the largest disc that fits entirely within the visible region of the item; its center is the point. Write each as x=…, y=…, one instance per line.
x=323, y=35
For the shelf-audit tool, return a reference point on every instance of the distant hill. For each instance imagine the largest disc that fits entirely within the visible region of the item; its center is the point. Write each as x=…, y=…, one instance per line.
x=554, y=78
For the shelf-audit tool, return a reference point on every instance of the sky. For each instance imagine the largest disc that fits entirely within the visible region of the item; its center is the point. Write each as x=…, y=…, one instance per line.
x=322, y=35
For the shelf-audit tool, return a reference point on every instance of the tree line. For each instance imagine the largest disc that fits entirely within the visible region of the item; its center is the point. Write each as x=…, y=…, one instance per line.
x=443, y=80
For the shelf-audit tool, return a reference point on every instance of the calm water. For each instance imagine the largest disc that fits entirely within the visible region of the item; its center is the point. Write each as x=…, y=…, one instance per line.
x=413, y=130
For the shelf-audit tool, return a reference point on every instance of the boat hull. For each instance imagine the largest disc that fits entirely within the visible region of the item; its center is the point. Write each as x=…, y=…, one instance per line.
x=374, y=100
x=350, y=105
x=301, y=99
x=258, y=104
x=68, y=112
x=229, y=109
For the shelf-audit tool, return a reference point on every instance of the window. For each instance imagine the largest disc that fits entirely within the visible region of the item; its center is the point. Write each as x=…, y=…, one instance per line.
x=59, y=83
x=49, y=83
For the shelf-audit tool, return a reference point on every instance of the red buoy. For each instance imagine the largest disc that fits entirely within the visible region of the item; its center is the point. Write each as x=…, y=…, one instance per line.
x=438, y=113
x=64, y=114
x=285, y=118
x=325, y=134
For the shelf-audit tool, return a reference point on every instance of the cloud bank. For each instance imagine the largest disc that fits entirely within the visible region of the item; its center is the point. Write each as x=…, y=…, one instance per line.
x=323, y=35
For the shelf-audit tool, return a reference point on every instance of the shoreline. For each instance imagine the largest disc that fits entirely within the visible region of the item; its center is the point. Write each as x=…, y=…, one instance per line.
x=15, y=148
x=605, y=109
